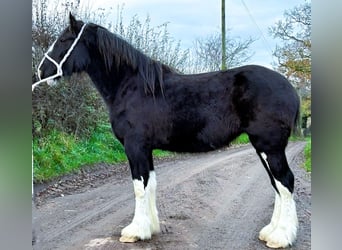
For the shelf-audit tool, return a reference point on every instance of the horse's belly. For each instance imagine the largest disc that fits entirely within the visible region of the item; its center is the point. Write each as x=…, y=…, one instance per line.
x=192, y=145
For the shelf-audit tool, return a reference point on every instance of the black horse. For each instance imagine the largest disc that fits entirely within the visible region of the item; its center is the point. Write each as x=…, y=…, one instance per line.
x=152, y=106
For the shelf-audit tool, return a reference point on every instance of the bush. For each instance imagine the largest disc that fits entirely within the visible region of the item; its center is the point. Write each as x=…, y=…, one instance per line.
x=73, y=107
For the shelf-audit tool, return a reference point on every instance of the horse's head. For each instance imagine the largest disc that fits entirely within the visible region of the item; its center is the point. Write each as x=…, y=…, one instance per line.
x=68, y=54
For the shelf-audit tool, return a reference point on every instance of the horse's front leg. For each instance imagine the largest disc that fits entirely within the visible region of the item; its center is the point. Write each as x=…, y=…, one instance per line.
x=145, y=221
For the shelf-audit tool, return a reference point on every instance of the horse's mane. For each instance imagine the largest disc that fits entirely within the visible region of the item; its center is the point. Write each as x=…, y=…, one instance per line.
x=117, y=52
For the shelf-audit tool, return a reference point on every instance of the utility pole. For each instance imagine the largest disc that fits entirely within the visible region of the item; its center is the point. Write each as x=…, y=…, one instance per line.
x=223, y=34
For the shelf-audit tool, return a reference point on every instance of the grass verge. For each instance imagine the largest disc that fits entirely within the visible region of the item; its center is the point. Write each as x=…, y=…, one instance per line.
x=60, y=153
x=307, y=155
x=241, y=139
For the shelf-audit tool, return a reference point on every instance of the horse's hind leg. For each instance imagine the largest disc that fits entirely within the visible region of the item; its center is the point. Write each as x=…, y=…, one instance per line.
x=282, y=230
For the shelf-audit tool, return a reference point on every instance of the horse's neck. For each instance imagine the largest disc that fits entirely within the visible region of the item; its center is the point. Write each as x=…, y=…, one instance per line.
x=107, y=83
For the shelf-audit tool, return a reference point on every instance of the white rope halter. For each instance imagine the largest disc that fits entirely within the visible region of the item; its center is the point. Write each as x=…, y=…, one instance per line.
x=59, y=70
x=60, y=64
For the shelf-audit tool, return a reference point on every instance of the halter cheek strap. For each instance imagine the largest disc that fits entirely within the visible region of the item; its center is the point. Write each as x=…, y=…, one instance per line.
x=60, y=64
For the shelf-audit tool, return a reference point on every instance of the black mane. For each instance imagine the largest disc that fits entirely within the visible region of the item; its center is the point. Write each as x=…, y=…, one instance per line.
x=117, y=52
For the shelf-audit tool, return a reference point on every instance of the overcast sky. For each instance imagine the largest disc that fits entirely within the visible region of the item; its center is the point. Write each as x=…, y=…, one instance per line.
x=192, y=19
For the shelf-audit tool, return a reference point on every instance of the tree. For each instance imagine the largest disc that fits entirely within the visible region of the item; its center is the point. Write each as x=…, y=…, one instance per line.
x=294, y=55
x=155, y=42
x=207, y=53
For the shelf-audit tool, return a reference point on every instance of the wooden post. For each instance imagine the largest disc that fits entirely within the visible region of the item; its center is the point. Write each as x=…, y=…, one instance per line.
x=223, y=34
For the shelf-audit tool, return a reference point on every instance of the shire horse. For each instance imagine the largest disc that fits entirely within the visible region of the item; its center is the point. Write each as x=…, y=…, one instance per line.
x=151, y=106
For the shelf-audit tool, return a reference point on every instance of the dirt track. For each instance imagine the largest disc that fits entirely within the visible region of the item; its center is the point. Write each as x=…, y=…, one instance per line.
x=217, y=200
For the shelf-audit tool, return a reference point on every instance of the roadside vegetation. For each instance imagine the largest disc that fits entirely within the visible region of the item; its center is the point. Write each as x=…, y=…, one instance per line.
x=307, y=155
x=60, y=153
x=241, y=139
x=70, y=126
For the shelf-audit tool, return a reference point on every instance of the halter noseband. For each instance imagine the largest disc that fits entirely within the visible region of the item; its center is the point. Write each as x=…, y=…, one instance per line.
x=60, y=64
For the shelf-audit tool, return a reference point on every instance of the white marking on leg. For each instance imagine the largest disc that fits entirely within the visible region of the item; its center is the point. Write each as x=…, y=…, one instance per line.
x=140, y=228
x=286, y=230
x=268, y=229
x=282, y=230
x=264, y=156
x=152, y=207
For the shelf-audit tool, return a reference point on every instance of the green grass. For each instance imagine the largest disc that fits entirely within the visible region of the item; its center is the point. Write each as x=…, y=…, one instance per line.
x=241, y=139
x=60, y=153
x=307, y=155
x=294, y=138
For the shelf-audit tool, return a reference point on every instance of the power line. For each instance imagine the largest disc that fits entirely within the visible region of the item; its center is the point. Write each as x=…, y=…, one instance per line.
x=255, y=23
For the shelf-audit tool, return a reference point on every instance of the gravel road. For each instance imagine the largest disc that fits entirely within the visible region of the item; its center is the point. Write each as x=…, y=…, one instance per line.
x=216, y=200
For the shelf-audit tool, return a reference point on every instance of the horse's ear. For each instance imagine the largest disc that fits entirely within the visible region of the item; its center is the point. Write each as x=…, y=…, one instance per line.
x=73, y=22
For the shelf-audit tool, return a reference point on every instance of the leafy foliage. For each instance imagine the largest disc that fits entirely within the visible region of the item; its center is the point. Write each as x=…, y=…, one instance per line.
x=73, y=107
x=294, y=55
x=155, y=42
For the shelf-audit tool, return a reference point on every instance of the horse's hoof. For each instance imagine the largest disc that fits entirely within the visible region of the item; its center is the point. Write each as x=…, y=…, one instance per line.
x=128, y=239
x=278, y=239
x=272, y=244
x=265, y=232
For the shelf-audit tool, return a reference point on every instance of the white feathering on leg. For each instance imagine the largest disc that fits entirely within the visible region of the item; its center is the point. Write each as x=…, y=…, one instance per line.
x=286, y=231
x=268, y=229
x=282, y=230
x=153, y=212
x=140, y=228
